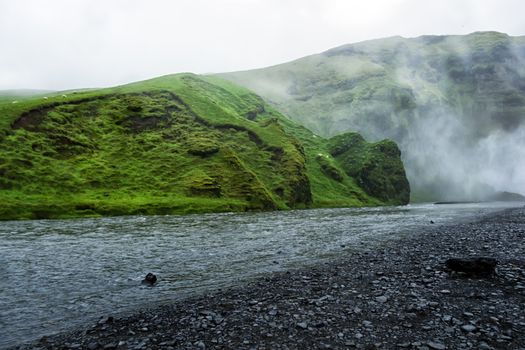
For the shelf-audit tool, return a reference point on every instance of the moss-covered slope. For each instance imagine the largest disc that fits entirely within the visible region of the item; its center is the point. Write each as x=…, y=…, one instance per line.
x=175, y=144
x=377, y=167
x=446, y=100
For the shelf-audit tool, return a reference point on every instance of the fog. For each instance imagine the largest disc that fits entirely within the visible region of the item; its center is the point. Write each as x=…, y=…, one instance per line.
x=59, y=44
x=442, y=158
x=467, y=142
x=462, y=135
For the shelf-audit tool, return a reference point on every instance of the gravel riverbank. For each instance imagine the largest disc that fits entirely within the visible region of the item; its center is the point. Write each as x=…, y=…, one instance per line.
x=395, y=295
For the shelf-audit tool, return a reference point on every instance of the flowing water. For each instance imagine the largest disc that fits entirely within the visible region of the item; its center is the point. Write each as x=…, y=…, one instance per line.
x=59, y=274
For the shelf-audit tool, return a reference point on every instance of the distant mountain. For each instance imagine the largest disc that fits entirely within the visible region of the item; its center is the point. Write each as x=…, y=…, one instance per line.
x=455, y=105
x=179, y=144
x=15, y=94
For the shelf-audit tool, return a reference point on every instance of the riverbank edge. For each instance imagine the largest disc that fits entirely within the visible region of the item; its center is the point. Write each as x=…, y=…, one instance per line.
x=67, y=210
x=392, y=295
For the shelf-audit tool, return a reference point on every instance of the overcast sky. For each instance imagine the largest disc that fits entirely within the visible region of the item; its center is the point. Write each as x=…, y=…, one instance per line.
x=62, y=44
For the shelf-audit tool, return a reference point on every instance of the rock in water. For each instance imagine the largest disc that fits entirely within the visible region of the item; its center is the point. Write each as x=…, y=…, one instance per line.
x=480, y=266
x=150, y=279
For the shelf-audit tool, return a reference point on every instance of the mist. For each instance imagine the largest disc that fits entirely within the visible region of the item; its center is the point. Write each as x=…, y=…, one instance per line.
x=454, y=104
x=441, y=158
x=466, y=143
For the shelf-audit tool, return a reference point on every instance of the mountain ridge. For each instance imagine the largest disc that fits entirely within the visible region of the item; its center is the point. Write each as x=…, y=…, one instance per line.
x=434, y=95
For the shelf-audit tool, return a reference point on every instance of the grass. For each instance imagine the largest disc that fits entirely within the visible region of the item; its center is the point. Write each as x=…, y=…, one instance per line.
x=171, y=145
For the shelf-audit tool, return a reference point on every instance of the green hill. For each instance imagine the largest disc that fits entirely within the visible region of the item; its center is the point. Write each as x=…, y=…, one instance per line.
x=454, y=104
x=178, y=144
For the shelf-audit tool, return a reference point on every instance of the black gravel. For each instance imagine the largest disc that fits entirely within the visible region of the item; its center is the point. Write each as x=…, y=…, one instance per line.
x=395, y=295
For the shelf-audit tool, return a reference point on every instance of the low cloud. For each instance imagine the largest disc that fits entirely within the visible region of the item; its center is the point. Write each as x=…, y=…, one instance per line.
x=441, y=157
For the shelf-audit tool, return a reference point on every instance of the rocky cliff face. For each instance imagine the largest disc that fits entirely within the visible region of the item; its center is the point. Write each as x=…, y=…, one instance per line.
x=454, y=104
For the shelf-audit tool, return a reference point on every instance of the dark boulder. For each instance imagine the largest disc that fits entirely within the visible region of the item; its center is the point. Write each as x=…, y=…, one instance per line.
x=150, y=279
x=478, y=266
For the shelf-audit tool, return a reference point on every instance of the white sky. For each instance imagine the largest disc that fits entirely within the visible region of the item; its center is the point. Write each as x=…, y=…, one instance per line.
x=62, y=44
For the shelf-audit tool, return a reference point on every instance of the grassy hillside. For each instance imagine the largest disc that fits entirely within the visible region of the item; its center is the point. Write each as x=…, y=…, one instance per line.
x=434, y=95
x=176, y=144
x=374, y=166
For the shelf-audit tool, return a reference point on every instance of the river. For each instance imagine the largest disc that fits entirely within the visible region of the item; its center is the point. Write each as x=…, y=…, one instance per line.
x=61, y=274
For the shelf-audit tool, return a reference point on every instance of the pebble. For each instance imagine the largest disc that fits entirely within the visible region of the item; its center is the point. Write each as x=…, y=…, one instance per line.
x=302, y=325
x=468, y=328
x=93, y=345
x=484, y=346
x=382, y=299
x=436, y=345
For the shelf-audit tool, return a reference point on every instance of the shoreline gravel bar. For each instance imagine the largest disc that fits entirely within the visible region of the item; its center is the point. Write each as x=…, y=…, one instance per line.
x=395, y=295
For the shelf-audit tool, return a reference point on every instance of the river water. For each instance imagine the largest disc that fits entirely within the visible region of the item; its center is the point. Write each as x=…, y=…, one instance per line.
x=60, y=274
